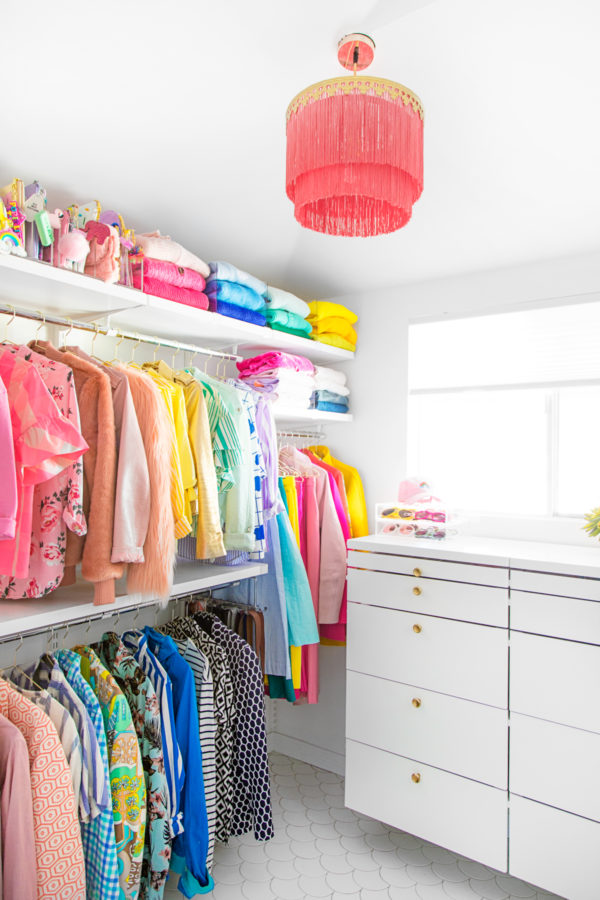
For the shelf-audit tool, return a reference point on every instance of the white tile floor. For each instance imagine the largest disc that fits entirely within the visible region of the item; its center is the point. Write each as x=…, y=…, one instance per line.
x=323, y=850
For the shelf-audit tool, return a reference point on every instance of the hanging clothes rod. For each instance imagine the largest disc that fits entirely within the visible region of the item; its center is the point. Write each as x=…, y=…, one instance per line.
x=37, y=316
x=300, y=434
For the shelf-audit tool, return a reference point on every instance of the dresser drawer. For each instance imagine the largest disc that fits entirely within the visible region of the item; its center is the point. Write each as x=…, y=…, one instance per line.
x=564, y=617
x=496, y=576
x=451, y=599
x=465, y=816
x=554, y=850
x=468, y=661
x=555, y=764
x=560, y=585
x=555, y=680
x=460, y=736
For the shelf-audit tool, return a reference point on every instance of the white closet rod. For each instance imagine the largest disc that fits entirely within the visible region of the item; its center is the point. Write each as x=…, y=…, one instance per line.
x=38, y=316
x=316, y=435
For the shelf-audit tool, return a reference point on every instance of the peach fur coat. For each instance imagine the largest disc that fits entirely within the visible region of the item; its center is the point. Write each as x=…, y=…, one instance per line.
x=94, y=397
x=154, y=577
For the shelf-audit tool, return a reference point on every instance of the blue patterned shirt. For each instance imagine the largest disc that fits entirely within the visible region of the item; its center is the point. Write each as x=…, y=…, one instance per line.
x=97, y=836
x=136, y=642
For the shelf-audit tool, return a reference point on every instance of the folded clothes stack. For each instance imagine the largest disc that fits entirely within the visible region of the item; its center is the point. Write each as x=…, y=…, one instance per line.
x=165, y=279
x=235, y=293
x=287, y=379
x=286, y=312
x=168, y=270
x=274, y=359
x=331, y=393
x=332, y=324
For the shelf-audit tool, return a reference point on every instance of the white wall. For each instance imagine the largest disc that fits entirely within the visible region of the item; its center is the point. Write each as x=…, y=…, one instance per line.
x=376, y=441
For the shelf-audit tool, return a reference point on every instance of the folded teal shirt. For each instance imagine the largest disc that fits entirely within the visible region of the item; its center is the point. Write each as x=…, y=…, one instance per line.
x=286, y=319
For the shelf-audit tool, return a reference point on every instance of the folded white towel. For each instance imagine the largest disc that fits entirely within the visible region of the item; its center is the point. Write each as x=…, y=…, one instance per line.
x=329, y=375
x=278, y=299
x=334, y=386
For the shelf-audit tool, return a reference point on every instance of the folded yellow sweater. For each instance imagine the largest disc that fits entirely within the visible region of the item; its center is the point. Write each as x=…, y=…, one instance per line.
x=334, y=340
x=323, y=309
x=334, y=325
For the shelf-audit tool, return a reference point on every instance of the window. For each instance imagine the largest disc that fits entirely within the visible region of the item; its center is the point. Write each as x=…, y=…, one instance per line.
x=504, y=410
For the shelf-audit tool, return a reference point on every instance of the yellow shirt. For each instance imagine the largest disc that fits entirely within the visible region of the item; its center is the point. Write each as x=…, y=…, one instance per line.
x=334, y=325
x=209, y=535
x=322, y=309
x=334, y=340
x=359, y=520
x=181, y=495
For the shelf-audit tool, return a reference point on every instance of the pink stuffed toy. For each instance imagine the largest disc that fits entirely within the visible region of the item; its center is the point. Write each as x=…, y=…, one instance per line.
x=71, y=246
x=103, y=260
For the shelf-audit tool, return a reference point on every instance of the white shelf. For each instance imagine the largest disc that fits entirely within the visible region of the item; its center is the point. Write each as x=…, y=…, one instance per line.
x=58, y=292
x=36, y=285
x=308, y=416
x=178, y=322
x=72, y=604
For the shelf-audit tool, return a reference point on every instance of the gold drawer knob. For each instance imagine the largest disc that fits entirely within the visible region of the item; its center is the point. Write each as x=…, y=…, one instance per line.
x=417, y=591
x=416, y=702
x=416, y=777
x=417, y=629
x=417, y=573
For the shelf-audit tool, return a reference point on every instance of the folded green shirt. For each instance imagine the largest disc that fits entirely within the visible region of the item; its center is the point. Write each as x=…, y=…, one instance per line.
x=284, y=320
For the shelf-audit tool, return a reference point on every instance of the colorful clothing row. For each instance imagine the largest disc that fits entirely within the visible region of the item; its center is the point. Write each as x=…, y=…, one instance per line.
x=134, y=756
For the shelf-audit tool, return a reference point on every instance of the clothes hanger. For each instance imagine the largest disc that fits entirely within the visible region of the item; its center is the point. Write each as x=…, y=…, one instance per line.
x=92, y=354
x=40, y=326
x=66, y=337
x=5, y=339
x=21, y=670
x=134, y=348
x=115, y=358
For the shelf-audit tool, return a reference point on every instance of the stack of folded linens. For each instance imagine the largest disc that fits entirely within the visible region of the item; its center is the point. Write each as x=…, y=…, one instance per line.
x=235, y=293
x=332, y=323
x=287, y=379
x=165, y=279
x=288, y=313
x=331, y=393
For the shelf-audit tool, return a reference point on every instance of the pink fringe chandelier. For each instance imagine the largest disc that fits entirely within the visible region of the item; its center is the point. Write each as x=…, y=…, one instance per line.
x=354, y=162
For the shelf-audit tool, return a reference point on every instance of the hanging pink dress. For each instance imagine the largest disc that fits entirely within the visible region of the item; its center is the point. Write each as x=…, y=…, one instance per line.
x=57, y=502
x=45, y=443
x=8, y=473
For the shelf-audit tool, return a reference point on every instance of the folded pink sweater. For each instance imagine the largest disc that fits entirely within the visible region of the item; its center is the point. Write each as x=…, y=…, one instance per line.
x=171, y=292
x=170, y=273
x=273, y=360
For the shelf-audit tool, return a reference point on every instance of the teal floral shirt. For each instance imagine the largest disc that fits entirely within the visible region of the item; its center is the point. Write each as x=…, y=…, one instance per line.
x=126, y=773
x=145, y=712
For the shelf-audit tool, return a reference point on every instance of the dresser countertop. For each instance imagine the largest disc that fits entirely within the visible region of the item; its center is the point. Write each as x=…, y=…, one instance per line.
x=561, y=559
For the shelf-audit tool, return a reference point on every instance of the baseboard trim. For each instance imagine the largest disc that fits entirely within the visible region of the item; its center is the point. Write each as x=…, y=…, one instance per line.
x=308, y=753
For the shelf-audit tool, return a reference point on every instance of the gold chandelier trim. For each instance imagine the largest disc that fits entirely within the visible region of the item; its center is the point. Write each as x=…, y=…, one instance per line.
x=379, y=87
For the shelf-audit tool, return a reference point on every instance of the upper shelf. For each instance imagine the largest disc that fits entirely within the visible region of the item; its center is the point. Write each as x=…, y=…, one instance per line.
x=39, y=286
x=178, y=322
x=57, y=292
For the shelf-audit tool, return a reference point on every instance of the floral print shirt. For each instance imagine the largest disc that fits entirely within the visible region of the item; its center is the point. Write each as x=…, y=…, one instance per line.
x=126, y=772
x=57, y=503
x=145, y=712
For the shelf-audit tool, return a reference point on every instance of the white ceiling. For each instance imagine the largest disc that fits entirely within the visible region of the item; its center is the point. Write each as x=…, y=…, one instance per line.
x=174, y=114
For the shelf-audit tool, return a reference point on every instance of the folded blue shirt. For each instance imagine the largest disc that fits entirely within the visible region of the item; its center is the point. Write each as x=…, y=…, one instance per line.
x=324, y=406
x=228, y=292
x=330, y=397
x=224, y=271
x=238, y=312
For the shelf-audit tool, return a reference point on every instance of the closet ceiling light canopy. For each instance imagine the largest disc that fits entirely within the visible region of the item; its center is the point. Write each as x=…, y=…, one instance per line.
x=354, y=162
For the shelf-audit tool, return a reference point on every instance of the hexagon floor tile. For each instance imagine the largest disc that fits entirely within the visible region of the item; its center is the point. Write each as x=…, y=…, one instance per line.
x=323, y=851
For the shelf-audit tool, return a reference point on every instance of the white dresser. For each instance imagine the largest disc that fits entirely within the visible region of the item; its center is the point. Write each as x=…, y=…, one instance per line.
x=473, y=701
